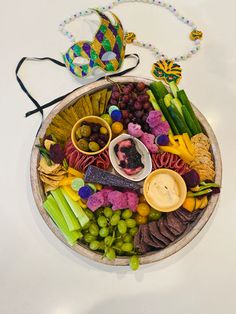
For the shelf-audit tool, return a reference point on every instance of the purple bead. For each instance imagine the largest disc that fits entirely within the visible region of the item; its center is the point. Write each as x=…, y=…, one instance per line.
x=85, y=191
x=116, y=115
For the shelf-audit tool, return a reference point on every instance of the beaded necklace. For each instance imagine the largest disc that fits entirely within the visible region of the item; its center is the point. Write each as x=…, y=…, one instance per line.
x=165, y=67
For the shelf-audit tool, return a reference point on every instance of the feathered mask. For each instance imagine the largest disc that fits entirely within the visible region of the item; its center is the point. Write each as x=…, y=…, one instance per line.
x=106, y=51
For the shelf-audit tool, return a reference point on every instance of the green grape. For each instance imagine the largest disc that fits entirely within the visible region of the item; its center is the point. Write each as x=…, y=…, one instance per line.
x=102, y=221
x=93, y=229
x=134, y=262
x=85, y=227
x=114, y=219
x=89, y=238
x=108, y=212
x=127, y=247
x=110, y=254
x=118, y=212
x=108, y=240
x=127, y=238
x=89, y=213
x=118, y=234
x=94, y=245
x=131, y=223
x=118, y=243
x=154, y=215
x=99, y=212
x=103, y=232
x=133, y=231
x=122, y=227
x=127, y=213
x=101, y=245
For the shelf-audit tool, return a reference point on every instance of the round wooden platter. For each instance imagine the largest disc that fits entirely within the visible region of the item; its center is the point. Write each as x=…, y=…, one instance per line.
x=150, y=257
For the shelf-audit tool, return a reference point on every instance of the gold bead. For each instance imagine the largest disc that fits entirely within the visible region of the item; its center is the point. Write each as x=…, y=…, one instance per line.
x=195, y=34
x=130, y=37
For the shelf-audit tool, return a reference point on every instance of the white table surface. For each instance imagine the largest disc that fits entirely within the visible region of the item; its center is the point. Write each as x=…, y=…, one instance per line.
x=38, y=274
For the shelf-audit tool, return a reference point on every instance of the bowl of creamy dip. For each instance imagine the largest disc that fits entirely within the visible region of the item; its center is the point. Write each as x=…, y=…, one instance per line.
x=164, y=190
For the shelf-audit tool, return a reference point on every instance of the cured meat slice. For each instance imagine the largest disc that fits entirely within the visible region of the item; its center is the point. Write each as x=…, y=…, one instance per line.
x=153, y=227
x=164, y=231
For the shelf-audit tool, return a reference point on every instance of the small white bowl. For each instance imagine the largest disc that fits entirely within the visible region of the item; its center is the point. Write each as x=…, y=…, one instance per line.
x=145, y=157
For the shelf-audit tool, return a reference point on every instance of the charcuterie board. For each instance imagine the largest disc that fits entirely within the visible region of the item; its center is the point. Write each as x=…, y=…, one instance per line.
x=151, y=239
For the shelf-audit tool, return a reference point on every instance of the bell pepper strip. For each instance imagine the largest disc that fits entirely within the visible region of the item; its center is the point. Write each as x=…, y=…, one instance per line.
x=74, y=195
x=188, y=143
x=75, y=173
x=66, y=181
x=178, y=147
x=83, y=205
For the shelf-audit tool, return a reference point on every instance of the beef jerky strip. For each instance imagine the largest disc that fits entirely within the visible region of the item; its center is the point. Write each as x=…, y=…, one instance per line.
x=164, y=231
x=175, y=223
x=153, y=227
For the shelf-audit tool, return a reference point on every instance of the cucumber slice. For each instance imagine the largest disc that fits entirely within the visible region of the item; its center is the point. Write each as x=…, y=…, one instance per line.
x=185, y=101
x=179, y=120
x=159, y=90
x=178, y=105
x=188, y=119
x=167, y=100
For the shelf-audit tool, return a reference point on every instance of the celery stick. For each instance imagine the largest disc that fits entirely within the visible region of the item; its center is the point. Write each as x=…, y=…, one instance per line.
x=66, y=211
x=174, y=88
x=78, y=211
x=54, y=212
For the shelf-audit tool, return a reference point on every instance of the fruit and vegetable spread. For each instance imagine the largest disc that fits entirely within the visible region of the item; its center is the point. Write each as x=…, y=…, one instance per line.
x=93, y=205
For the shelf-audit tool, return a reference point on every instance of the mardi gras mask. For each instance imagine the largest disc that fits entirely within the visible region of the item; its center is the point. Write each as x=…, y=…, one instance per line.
x=106, y=51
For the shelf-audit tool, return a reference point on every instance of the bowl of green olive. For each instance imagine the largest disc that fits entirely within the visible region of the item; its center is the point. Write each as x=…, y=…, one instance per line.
x=91, y=135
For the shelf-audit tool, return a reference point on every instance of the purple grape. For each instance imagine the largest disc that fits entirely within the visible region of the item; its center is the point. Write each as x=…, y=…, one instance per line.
x=138, y=114
x=143, y=98
x=115, y=88
x=131, y=86
x=126, y=90
x=131, y=102
x=126, y=98
x=140, y=86
x=115, y=95
x=113, y=101
x=138, y=105
x=122, y=105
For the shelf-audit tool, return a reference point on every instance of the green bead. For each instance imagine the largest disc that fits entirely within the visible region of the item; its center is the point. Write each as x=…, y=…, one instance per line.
x=77, y=183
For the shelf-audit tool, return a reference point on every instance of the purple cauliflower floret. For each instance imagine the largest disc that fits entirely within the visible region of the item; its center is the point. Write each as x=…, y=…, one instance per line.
x=95, y=201
x=104, y=193
x=154, y=118
x=132, y=199
x=134, y=129
x=118, y=200
x=148, y=140
x=161, y=128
